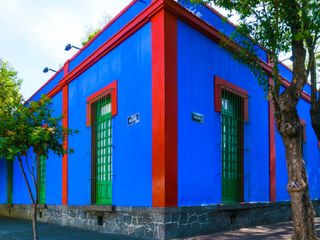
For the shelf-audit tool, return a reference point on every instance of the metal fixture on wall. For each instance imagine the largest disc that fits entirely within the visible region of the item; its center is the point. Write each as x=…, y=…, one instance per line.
x=69, y=46
x=46, y=69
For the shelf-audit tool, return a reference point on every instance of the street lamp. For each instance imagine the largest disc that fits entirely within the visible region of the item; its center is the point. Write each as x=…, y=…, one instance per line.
x=69, y=46
x=46, y=69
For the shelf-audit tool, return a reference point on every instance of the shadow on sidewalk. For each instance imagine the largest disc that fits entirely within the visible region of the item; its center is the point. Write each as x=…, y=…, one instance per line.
x=278, y=231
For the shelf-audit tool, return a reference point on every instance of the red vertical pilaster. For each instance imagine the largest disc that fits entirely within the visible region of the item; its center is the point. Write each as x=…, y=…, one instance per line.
x=65, y=96
x=272, y=150
x=164, y=110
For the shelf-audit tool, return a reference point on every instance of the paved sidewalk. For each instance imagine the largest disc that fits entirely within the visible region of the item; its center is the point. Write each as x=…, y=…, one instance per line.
x=278, y=231
x=16, y=229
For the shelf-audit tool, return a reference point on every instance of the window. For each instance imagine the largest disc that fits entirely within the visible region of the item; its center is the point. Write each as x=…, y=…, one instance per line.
x=102, y=106
x=42, y=160
x=232, y=147
x=232, y=102
x=103, y=152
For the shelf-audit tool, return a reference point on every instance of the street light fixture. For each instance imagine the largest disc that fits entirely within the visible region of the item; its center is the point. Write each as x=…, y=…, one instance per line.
x=46, y=69
x=69, y=46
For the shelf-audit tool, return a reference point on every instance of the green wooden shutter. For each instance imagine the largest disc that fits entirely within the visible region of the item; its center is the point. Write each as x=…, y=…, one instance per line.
x=9, y=182
x=232, y=147
x=104, y=152
x=42, y=179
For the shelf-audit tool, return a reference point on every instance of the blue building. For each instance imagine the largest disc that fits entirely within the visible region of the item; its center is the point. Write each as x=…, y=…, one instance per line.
x=175, y=136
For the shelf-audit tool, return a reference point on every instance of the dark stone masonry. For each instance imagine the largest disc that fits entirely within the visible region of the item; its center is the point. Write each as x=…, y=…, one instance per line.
x=159, y=223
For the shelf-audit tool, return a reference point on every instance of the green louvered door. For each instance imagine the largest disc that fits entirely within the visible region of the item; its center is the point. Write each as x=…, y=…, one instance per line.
x=232, y=147
x=9, y=181
x=103, y=152
x=42, y=179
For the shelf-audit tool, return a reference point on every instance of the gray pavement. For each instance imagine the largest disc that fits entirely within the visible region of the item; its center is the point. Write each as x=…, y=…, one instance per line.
x=16, y=229
x=278, y=231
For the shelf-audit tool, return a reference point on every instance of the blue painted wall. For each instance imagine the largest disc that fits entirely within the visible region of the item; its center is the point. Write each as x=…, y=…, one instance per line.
x=54, y=163
x=199, y=154
x=130, y=64
x=206, y=14
x=53, y=176
x=20, y=193
x=311, y=157
x=199, y=145
x=125, y=18
x=48, y=86
x=3, y=181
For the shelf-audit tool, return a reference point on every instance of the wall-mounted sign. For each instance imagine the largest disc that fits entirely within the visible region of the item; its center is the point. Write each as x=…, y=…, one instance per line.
x=197, y=117
x=133, y=119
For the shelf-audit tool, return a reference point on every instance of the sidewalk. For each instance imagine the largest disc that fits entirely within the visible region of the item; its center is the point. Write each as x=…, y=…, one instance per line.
x=278, y=231
x=16, y=229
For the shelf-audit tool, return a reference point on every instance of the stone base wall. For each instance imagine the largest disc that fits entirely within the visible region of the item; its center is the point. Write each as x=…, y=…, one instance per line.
x=160, y=223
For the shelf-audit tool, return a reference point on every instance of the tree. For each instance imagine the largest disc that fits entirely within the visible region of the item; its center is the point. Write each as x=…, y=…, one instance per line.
x=31, y=132
x=282, y=26
x=28, y=131
x=9, y=87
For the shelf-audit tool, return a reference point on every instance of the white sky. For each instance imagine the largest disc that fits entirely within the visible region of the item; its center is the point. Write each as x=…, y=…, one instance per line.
x=35, y=32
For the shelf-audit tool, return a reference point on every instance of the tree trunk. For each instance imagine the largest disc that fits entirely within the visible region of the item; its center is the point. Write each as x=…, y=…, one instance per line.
x=34, y=222
x=34, y=202
x=302, y=209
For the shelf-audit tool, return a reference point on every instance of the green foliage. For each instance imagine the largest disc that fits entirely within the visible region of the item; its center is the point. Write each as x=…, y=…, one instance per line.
x=90, y=35
x=9, y=88
x=32, y=126
x=273, y=24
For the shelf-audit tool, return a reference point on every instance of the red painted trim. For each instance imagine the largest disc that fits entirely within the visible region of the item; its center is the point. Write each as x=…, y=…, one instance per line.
x=219, y=85
x=137, y=23
x=65, y=96
x=272, y=150
x=104, y=28
x=44, y=85
x=111, y=89
x=66, y=68
x=113, y=42
x=272, y=147
x=215, y=35
x=286, y=83
x=164, y=110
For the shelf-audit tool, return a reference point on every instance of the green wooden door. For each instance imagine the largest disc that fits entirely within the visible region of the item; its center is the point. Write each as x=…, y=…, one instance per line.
x=232, y=147
x=42, y=179
x=103, y=152
x=9, y=181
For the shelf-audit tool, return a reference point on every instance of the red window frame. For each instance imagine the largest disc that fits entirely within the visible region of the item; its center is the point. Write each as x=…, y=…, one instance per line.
x=111, y=89
x=221, y=84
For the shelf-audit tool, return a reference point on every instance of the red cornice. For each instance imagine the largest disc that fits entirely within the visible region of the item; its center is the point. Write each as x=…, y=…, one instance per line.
x=216, y=35
x=53, y=77
x=105, y=27
x=141, y=20
x=113, y=42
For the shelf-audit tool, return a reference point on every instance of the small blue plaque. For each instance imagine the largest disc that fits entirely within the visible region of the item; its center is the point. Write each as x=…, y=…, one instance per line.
x=133, y=119
x=197, y=117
